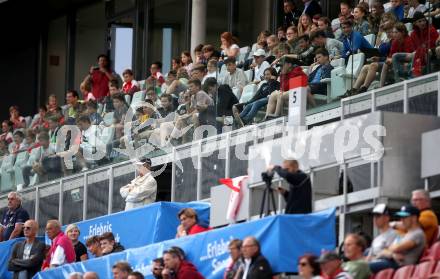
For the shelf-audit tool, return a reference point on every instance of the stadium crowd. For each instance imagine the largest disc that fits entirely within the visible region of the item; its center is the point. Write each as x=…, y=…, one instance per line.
x=404, y=238
x=223, y=86
x=211, y=87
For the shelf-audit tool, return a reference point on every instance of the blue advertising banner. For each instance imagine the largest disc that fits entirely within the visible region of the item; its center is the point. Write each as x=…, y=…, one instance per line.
x=5, y=253
x=283, y=239
x=152, y=223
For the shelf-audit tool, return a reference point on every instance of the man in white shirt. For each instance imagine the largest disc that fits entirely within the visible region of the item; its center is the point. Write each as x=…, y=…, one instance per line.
x=259, y=65
x=235, y=78
x=386, y=237
x=88, y=145
x=345, y=12
x=143, y=189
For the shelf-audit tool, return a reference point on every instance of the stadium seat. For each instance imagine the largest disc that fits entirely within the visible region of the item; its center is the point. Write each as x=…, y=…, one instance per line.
x=222, y=74
x=33, y=157
x=107, y=119
x=141, y=84
x=20, y=162
x=28, y=120
x=127, y=99
x=138, y=98
x=424, y=269
x=370, y=38
x=236, y=92
x=385, y=274
x=7, y=179
x=340, y=62
x=244, y=52
x=248, y=92
x=404, y=272
x=249, y=75
x=433, y=253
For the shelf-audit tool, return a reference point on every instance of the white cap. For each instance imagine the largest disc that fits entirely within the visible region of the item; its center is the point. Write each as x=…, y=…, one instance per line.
x=259, y=52
x=381, y=209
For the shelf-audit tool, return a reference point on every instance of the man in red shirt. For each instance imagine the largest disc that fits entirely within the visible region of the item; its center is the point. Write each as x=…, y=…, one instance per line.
x=189, y=223
x=100, y=76
x=277, y=99
x=178, y=268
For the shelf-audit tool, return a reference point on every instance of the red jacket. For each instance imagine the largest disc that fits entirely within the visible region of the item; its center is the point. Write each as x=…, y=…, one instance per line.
x=420, y=37
x=100, y=84
x=284, y=78
x=406, y=46
x=197, y=229
x=188, y=271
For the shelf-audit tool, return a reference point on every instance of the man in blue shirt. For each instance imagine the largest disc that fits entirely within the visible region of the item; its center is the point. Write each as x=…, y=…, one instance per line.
x=397, y=9
x=11, y=225
x=353, y=41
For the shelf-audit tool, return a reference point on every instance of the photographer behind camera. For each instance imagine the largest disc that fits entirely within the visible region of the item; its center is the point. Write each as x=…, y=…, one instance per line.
x=299, y=195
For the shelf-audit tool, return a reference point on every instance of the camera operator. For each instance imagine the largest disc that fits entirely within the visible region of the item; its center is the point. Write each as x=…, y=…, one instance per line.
x=299, y=195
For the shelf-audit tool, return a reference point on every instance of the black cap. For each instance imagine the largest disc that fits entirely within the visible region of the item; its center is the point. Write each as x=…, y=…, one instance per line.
x=417, y=16
x=408, y=210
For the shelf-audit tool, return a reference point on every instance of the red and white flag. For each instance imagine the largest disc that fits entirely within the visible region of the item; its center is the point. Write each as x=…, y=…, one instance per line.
x=236, y=185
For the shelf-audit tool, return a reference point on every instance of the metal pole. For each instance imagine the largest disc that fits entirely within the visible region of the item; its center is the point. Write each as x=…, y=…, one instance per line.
x=312, y=179
x=426, y=180
x=199, y=172
x=37, y=204
x=343, y=208
x=438, y=94
x=85, y=198
x=228, y=155
x=373, y=100
x=173, y=175
x=60, y=202
x=405, y=97
x=372, y=174
x=110, y=190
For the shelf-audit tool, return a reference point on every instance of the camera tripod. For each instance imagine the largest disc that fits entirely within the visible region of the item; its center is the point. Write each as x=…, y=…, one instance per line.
x=268, y=200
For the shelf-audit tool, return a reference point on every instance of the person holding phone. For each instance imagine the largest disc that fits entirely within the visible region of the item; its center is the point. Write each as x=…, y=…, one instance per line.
x=99, y=76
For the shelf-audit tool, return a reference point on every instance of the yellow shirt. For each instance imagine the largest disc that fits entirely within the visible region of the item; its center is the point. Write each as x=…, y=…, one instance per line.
x=428, y=221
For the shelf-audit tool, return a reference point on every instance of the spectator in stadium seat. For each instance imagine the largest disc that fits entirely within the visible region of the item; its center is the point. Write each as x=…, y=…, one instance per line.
x=333, y=46
x=374, y=18
x=344, y=12
x=186, y=59
x=189, y=223
x=387, y=235
x=277, y=99
x=331, y=266
x=311, y=8
x=18, y=144
x=207, y=52
x=322, y=71
x=212, y=67
x=120, y=110
x=182, y=269
x=408, y=249
x=424, y=37
x=198, y=72
x=291, y=14
x=38, y=165
x=304, y=54
x=281, y=34
x=86, y=90
x=94, y=246
x=39, y=120
x=397, y=8
x=108, y=100
x=121, y=270
x=235, y=261
x=28, y=255
x=88, y=141
x=325, y=25
x=143, y=189
x=261, y=42
x=229, y=46
x=235, y=78
x=92, y=112
x=18, y=121
x=357, y=266
x=174, y=85
x=272, y=43
x=304, y=25
x=415, y=6
x=176, y=64
x=223, y=96
x=29, y=140
x=259, y=100
x=361, y=24
x=7, y=129
x=130, y=85
x=156, y=79
x=255, y=265
x=135, y=275
x=198, y=54
x=52, y=104
x=73, y=232
x=109, y=244
x=259, y=65
x=299, y=195
x=427, y=219
x=90, y=275
x=11, y=225
x=166, y=105
x=61, y=251
x=157, y=266
x=308, y=267
x=353, y=41
x=74, y=107
x=100, y=76
x=152, y=95
x=292, y=37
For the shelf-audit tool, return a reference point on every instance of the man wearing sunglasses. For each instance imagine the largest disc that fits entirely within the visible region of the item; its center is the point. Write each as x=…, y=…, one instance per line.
x=28, y=255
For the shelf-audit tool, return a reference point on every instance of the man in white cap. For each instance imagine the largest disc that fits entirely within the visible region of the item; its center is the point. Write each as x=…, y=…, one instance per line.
x=387, y=235
x=260, y=65
x=143, y=189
